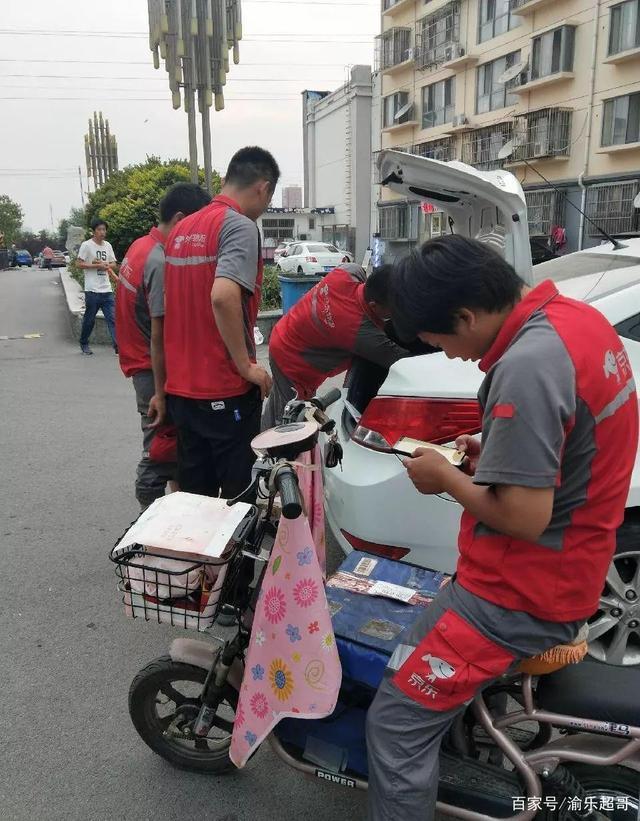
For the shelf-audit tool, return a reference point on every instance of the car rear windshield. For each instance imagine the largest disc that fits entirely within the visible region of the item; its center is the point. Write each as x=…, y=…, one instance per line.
x=323, y=249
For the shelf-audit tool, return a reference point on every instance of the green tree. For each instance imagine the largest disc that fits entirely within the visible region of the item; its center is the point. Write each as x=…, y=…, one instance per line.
x=11, y=216
x=129, y=200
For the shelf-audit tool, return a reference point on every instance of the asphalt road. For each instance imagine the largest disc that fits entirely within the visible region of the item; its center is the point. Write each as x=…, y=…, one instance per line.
x=69, y=443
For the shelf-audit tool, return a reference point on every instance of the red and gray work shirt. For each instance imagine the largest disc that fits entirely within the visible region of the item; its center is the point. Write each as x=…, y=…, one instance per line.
x=140, y=297
x=321, y=333
x=217, y=241
x=560, y=410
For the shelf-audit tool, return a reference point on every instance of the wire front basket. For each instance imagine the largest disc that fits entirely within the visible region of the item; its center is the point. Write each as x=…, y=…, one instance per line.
x=170, y=589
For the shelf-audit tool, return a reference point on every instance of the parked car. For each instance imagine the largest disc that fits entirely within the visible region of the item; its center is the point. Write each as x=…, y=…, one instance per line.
x=56, y=261
x=22, y=257
x=371, y=505
x=311, y=258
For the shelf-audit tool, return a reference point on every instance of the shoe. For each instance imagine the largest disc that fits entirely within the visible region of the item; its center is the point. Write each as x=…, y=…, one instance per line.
x=86, y=350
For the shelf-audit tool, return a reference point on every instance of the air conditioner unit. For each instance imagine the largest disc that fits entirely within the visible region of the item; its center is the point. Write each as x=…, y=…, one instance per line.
x=453, y=52
x=459, y=119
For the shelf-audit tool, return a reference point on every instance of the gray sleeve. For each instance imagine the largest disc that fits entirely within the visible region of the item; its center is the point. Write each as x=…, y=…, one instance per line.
x=530, y=401
x=154, y=281
x=373, y=344
x=238, y=250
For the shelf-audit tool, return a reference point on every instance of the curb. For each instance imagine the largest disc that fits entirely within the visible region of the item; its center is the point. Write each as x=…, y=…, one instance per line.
x=74, y=296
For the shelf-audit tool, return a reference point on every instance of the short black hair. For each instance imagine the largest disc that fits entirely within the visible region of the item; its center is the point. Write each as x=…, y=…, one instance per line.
x=377, y=288
x=183, y=197
x=96, y=221
x=251, y=164
x=446, y=274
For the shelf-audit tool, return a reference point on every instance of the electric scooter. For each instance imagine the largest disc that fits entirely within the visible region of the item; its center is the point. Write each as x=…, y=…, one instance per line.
x=565, y=745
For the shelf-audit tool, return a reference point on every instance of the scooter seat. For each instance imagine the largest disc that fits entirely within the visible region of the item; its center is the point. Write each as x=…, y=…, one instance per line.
x=593, y=690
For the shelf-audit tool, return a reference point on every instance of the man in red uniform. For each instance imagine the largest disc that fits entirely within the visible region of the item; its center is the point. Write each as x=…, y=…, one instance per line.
x=545, y=494
x=341, y=317
x=139, y=329
x=213, y=279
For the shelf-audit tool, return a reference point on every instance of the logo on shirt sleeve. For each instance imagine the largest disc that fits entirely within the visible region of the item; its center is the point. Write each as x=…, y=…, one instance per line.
x=617, y=364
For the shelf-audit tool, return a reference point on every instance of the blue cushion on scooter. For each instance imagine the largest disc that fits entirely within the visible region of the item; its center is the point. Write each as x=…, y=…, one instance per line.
x=367, y=628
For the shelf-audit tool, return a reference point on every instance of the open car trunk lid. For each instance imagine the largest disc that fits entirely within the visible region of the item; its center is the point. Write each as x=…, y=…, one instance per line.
x=484, y=205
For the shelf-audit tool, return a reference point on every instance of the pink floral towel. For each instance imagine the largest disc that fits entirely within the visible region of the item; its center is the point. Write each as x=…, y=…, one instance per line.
x=292, y=665
x=312, y=490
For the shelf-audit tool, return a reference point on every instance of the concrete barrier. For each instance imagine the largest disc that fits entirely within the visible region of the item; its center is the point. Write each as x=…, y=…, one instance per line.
x=74, y=296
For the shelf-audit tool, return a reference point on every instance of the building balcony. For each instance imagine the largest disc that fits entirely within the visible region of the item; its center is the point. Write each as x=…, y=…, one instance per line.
x=389, y=8
x=481, y=146
x=542, y=134
x=393, y=51
x=443, y=150
x=392, y=129
x=525, y=7
x=623, y=56
x=542, y=82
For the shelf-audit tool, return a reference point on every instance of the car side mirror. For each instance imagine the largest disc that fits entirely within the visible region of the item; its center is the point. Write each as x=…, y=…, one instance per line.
x=285, y=254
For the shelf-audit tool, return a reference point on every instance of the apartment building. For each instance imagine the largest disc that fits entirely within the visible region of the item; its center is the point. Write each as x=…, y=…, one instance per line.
x=292, y=196
x=559, y=80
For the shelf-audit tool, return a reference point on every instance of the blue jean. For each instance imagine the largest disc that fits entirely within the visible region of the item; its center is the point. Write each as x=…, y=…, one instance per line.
x=95, y=302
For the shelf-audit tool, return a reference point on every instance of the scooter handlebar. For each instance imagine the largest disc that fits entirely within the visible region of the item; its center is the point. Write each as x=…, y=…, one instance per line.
x=286, y=482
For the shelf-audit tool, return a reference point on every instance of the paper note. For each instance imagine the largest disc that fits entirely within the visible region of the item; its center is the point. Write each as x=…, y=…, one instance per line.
x=391, y=591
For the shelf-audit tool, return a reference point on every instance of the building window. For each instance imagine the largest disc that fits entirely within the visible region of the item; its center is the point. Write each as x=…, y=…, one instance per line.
x=552, y=52
x=610, y=206
x=399, y=221
x=438, y=36
x=491, y=94
x=393, y=109
x=495, y=18
x=482, y=146
x=395, y=47
x=278, y=228
x=542, y=133
x=624, y=27
x=438, y=103
x=621, y=120
x=435, y=149
x=312, y=223
x=545, y=209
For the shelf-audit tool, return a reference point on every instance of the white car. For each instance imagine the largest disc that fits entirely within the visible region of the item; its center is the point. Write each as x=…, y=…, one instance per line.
x=311, y=258
x=371, y=505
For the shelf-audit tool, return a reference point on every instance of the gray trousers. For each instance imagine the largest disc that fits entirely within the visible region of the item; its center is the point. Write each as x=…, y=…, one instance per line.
x=151, y=477
x=460, y=645
x=281, y=392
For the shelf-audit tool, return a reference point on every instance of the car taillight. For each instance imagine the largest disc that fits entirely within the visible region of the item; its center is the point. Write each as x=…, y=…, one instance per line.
x=311, y=259
x=388, y=418
x=384, y=550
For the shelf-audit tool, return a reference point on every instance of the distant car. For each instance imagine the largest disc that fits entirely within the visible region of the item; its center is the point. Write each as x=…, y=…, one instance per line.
x=56, y=261
x=311, y=258
x=22, y=257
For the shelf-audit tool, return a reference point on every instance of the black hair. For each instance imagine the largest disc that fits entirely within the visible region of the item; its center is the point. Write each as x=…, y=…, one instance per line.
x=446, y=274
x=377, y=288
x=251, y=164
x=96, y=221
x=183, y=197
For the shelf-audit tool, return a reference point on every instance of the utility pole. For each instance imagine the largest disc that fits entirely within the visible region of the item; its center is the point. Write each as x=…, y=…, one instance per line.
x=194, y=38
x=81, y=191
x=100, y=150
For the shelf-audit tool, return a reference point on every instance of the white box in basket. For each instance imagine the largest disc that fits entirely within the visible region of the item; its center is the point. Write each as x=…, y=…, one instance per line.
x=185, y=526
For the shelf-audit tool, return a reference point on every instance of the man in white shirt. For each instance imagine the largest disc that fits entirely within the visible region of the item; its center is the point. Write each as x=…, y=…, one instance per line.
x=97, y=260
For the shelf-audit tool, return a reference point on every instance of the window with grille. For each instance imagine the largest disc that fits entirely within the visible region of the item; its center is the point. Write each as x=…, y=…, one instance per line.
x=435, y=149
x=438, y=103
x=495, y=17
x=621, y=120
x=545, y=209
x=624, y=26
x=396, y=47
x=552, y=52
x=392, y=106
x=491, y=94
x=399, y=221
x=278, y=228
x=610, y=206
x=482, y=146
x=438, y=32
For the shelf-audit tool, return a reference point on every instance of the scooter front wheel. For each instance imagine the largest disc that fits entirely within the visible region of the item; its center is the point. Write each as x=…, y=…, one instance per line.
x=164, y=701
